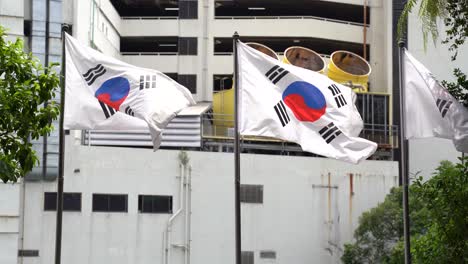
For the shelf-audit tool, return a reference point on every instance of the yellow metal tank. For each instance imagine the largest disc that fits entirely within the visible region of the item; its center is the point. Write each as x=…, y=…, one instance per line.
x=304, y=58
x=349, y=69
x=223, y=101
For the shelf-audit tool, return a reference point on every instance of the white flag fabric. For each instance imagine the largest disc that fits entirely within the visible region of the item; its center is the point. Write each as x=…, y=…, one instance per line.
x=103, y=93
x=430, y=110
x=298, y=105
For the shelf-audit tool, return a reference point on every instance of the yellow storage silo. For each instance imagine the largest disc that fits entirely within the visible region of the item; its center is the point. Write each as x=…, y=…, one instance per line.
x=304, y=58
x=349, y=69
x=223, y=101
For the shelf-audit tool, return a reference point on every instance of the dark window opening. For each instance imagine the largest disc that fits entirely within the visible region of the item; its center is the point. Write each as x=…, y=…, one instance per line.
x=161, y=204
x=71, y=201
x=321, y=9
x=188, y=9
x=189, y=81
x=251, y=193
x=150, y=8
x=110, y=203
x=27, y=27
x=280, y=44
x=247, y=257
x=188, y=46
x=222, y=82
x=268, y=254
x=28, y=253
x=172, y=75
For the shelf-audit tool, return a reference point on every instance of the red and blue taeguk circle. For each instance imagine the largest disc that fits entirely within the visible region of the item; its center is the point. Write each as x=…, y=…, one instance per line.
x=305, y=101
x=113, y=92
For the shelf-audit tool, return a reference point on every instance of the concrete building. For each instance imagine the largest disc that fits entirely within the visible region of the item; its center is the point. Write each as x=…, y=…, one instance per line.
x=131, y=205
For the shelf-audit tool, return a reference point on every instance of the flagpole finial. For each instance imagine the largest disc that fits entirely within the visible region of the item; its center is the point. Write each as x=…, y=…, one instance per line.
x=66, y=27
x=236, y=35
x=401, y=43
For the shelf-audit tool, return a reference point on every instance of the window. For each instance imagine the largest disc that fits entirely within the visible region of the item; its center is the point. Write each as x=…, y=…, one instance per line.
x=161, y=204
x=188, y=46
x=189, y=81
x=71, y=201
x=222, y=82
x=251, y=193
x=188, y=9
x=247, y=257
x=110, y=202
x=27, y=28
x=268, y=254
x=28, y=253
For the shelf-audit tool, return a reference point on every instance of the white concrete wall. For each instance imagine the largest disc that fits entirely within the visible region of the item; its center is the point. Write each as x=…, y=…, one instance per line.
x=300, y=219
x=9, y=222
x=426, y=154
x=12, y=17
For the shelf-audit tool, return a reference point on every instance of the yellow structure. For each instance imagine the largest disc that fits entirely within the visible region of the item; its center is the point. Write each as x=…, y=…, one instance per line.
x=349, y=69
x=304, y=58
x=223, y=101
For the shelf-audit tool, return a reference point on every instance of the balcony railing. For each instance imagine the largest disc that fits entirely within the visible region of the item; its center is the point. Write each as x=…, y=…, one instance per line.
x=218, y=126
x=294, y=17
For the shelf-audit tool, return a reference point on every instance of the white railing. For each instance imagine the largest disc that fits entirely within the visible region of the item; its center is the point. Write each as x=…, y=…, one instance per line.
x=294, y=17
x=150, y=17
x=149, y=53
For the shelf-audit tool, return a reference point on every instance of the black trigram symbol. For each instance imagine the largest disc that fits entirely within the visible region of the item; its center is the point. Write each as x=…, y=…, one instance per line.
x=108, y=111
x=276, y=73
x=129, y=111
x=443, y=106
x=147, y=81
x=281, y=112
x=329, y=132
x=339, y=98
x=92, y=74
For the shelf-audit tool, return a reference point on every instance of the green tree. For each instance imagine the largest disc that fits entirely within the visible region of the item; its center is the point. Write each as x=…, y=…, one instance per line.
x=439, y=222
x=445, y=196
x=25, y=86
x=454, y=14
x=380, y=230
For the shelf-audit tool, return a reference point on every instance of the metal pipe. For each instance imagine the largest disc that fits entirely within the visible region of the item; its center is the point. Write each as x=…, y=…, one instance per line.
x=46, y=63
x=364, y=29
x=205, y=51
x=171, y=219
x=189, y=210
x=403, y=159
x=22, y=216
x=186, y=220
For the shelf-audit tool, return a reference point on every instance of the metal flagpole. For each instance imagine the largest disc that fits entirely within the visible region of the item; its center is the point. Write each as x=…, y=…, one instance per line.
x=404, y=159
x=235, y=40
x=58, y=232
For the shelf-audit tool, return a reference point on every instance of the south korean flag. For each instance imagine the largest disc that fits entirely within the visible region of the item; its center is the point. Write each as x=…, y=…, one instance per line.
x=297, y=105
x=103, y=93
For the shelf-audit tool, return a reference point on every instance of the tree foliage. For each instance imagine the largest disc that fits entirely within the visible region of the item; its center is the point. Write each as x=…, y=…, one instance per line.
x=445, y=196
x=454, y=14
x=439, y=222
x=458, y=89
x=25, y=86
